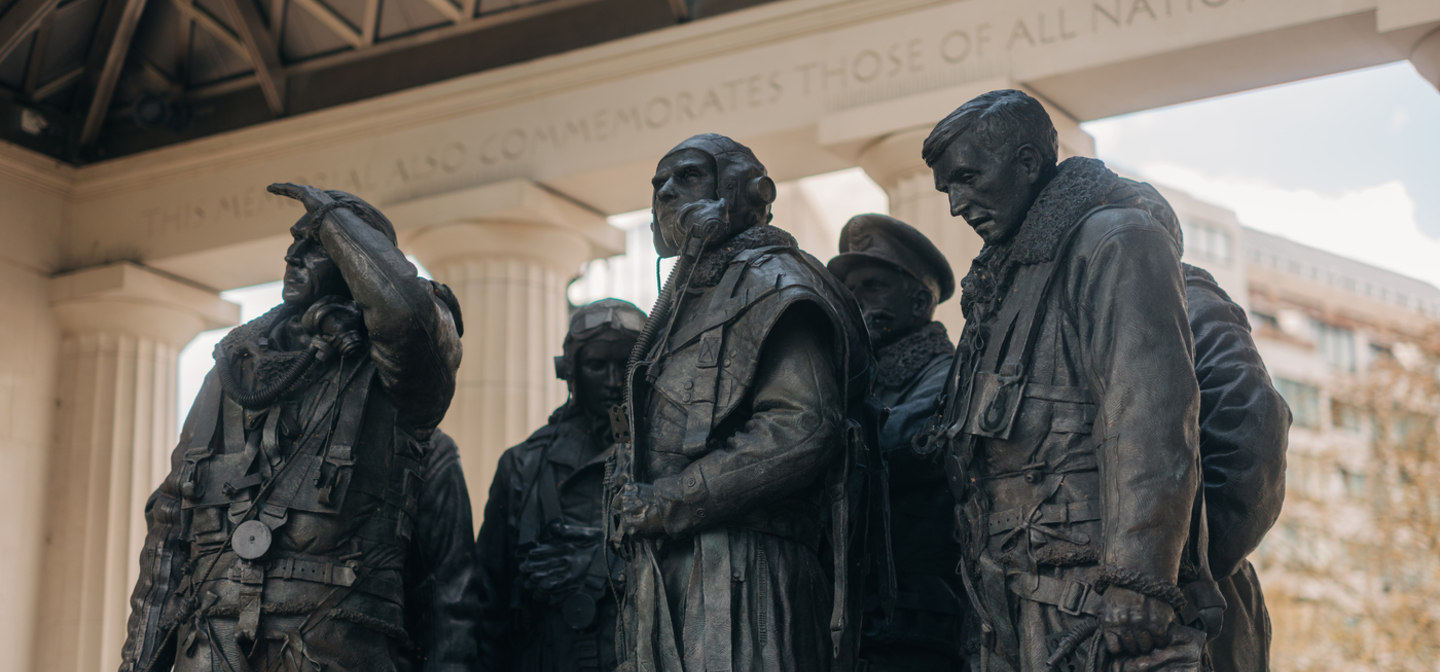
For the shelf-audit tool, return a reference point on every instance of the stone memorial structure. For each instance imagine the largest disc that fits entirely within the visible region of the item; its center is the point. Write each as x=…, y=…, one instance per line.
x=499, y=182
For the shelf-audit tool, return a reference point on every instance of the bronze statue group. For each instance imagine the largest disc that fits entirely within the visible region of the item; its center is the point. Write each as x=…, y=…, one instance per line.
x=787, y=465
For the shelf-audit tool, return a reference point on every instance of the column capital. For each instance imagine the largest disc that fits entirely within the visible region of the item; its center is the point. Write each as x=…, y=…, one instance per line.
x=1426, y=57
x=513, y=218
x=125, y=297
x=555, y=248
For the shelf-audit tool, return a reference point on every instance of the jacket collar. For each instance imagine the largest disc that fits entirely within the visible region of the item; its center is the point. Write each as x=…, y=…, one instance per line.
x=714, y=261
x=1079, y=185
x=899, y=362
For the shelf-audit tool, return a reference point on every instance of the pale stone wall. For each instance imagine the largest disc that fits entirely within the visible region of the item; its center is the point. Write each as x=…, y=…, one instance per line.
x=31, y=226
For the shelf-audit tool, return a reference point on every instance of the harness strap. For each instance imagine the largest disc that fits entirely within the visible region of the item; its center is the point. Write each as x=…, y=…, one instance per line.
x=529, y=529
x=1049, y=514
x=715, y=575
x=1068, y=595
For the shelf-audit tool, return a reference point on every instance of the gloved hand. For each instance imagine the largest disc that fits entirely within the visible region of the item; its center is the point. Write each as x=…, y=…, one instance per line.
x=556, y=566
x=639, y=511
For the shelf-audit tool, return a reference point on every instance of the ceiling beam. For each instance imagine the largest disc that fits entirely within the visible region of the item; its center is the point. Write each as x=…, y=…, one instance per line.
x=37, y=56
x=211, y=25
x=107, y=55
x=24, y=17
x=468, y=7
x=681, y=9
x=56, y=85
x=336, y=23
x=261, y=50
x=372, y=22
x=449, y=11
x=277, y=19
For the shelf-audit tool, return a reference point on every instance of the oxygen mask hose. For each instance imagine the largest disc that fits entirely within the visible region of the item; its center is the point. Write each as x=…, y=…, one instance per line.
x=319, y=350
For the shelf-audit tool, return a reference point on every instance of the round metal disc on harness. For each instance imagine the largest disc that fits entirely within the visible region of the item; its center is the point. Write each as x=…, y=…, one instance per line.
x=578, y=611
x=251, y=539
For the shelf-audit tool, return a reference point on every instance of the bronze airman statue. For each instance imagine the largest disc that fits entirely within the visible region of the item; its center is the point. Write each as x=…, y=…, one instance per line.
x=546, y=602
x=313, y=517
x=1069, y=430
x=898, y=276
x=736, y=429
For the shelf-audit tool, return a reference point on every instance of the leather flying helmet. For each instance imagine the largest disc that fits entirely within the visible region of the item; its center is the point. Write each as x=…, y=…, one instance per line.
x=740, y=179
x=607, y=320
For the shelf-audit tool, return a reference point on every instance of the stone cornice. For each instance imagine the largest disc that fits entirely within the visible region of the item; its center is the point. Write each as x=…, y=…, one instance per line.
x=36, y=170
x=656, y=50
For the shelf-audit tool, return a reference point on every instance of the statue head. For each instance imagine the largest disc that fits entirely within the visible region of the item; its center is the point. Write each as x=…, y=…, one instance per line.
x=896, y=274
x=992, y=156
x=309, y=272
x=708, y=167
x=596, y=353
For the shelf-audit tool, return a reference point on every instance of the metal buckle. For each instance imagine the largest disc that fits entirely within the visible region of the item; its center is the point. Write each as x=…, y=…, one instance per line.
x=1074, y=597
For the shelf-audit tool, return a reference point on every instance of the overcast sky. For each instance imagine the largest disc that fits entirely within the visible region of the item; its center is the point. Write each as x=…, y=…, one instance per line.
x=1348, y=163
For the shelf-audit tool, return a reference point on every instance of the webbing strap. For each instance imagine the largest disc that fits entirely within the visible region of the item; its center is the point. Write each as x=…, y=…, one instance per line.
x=1048, y=514
x=1068, y=595
x=715, y=575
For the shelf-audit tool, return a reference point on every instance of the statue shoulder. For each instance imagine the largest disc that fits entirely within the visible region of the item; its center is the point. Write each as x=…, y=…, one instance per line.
x=1130, y=230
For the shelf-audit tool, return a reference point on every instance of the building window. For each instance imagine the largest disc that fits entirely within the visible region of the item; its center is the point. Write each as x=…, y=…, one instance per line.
x=1264, y=320
x=1345, y=417
x=1336, y=345
x=1304, y=401
x=1206, y=242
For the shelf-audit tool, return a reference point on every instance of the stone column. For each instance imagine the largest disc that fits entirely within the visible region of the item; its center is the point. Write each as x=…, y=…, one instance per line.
x=123, y=326
x=893, y=160
x=509, y=252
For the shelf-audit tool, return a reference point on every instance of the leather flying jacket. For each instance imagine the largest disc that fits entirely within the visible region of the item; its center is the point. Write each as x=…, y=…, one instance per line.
x=743, y=434
x=366, y=519
x=712, y=460
x=1071, y=424
x=572, y=627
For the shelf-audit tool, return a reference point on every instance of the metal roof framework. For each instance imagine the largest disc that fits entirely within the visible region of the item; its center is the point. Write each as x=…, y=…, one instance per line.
x=87, y=80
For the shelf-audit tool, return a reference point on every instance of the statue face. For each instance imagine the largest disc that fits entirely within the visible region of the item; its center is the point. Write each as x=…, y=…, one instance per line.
x=894, y=303
x=309, y=271
x=682, y=178
x=600, y=375
x=991, y=189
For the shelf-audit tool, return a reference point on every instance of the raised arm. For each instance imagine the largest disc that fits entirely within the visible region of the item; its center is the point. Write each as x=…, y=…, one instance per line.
x=414, y=340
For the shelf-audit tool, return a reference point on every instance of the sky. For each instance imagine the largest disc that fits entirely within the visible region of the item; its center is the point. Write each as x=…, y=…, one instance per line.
x=1348, y=163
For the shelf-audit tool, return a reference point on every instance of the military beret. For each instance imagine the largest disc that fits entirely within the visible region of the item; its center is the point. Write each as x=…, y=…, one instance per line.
x=872, y=238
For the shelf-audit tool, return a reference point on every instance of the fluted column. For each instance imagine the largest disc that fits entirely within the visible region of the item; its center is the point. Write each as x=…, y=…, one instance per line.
x=123, y=326
x=509, y=252
x=893, y=161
